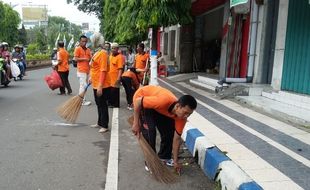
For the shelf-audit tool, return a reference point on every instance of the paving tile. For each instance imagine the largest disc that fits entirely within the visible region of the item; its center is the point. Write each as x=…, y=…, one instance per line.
x=280, y=185
x=255, y=163
x=264, y=175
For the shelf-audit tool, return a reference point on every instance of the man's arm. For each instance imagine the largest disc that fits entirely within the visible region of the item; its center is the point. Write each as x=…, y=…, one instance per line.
x=137, y=110
x=175, y=150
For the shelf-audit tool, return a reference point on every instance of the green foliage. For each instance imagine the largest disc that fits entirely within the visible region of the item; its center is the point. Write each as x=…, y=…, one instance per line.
x=131, y=21
x=38, y=56
x=33, y=48
x=127, y=21
x=9, y=22
x=90, y=6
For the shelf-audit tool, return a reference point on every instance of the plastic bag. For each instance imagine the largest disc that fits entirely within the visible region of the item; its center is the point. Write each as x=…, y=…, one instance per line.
x=54, y=62
x=53, y=80
x=14, y=69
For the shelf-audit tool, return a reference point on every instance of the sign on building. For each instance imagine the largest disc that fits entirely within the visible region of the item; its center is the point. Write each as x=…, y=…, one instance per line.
x=34, y=14
x=237, y=2
x=85, y=26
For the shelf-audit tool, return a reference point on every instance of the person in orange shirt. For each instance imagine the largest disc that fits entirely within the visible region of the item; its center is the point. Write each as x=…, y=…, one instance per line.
x=131, y=83
x=141, y=61
x=63, y=68
x=100, y=82
x=157, y=107
x=82, y=56
x=116, y=68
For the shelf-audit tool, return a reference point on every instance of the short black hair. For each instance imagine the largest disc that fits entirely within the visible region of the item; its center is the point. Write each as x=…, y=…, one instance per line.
x=188, y=100
x=141, y=45
x=83, y=36
x=61, y=44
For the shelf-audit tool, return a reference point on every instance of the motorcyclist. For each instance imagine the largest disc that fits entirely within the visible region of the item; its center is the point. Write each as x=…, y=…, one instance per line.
x=17, y=57
x=6, y=56
x=24, y=58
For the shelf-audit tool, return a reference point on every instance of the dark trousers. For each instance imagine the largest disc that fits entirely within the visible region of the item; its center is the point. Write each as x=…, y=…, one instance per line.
x=114, y=97
x=65, y=81
x=150, y=120
x=129, y=89
x=102, y=108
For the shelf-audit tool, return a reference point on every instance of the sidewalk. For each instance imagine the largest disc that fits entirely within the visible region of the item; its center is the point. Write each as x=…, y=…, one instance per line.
x=249, y=148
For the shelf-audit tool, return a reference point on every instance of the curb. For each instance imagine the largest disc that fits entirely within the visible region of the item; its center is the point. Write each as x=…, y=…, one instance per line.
x=215, y=164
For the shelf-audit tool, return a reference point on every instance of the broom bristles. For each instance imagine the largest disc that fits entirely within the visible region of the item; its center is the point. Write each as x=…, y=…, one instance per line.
x=160, y=172
x=70, y=109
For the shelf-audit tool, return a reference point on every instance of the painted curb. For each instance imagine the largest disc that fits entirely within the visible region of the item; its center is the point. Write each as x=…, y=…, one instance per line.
x=214, y=163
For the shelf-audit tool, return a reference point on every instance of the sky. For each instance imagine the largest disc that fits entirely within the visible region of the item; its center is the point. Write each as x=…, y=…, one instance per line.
x=61, y=8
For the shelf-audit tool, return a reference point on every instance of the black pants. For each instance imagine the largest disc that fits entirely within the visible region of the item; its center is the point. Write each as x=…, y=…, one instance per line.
x=150, y=120
x=102, y=108
x=129, y=89
x=65, y=81
x=114, y=97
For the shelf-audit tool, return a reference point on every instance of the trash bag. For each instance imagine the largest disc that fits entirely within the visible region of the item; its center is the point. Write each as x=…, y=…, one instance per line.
x=14, y=69
x=53, y=80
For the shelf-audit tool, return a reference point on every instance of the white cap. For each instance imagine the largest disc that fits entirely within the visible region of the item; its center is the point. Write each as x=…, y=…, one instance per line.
x=114, y=45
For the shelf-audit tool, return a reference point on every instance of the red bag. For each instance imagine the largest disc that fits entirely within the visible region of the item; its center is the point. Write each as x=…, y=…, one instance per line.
x=53, y=80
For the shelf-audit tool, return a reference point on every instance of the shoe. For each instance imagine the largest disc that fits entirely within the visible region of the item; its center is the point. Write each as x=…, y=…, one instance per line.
x=129, y=107
x=61, y=93
x=86, y=103
x=69, y=93
x=146, y=167
x=95, y=126
x=168, y=162
x=103, y=130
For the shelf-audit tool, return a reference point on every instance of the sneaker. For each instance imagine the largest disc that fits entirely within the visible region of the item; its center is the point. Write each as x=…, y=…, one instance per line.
x=103, y=130
x=86, y=103
x=168, y=162
x=147, y=168
x=95, y=126
x=129, y=107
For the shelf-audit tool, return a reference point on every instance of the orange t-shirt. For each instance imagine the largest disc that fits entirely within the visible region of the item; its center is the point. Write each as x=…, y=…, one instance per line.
x=63, y=58
x=141, y=60
x=99, y=64
x=79, y=52
x=160, y=99
x=134, y=78
x=116, y=63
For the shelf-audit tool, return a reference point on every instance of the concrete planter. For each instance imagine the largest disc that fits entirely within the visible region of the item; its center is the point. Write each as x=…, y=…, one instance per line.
x=38, y=63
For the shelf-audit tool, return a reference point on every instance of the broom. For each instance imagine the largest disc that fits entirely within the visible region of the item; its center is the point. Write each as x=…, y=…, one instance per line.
x=70, y=109
x=160, y=172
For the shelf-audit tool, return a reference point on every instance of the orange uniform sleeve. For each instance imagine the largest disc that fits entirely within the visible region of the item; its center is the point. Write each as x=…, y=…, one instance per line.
x=179, y=125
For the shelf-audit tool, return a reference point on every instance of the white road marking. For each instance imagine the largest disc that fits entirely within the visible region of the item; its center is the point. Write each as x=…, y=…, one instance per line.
x=65, y=124
x=112, y=171
x=282, y=148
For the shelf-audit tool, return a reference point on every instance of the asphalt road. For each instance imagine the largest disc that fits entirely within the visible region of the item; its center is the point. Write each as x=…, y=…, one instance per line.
x=38, y=150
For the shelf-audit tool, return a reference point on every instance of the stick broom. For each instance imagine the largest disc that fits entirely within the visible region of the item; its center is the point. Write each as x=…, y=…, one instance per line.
x=70, y=109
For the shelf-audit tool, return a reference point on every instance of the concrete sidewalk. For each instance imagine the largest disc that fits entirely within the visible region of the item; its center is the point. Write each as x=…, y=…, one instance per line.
x=241, y=147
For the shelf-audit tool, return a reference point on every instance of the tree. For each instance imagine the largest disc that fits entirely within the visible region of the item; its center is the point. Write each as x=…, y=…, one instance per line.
x=9, y=22
x=22, y=35
x=90, y=6
x=135, y=17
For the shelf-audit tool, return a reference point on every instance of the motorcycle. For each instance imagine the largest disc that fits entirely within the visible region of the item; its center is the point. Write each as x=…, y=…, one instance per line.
x=3, y=78
x=21, y=68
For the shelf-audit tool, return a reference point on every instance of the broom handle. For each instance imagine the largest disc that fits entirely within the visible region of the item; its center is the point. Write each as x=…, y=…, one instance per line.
x=85, y=89
x=87, y=86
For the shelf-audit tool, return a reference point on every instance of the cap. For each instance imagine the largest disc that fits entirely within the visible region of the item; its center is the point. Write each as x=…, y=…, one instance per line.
x=114, y=45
